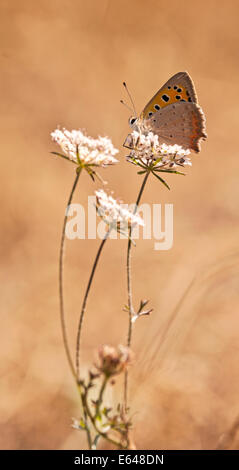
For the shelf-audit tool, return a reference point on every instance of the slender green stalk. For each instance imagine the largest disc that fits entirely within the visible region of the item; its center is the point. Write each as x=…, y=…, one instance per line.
x=78, y=339
x=99, y=401
x=94, y=421
x=61, y=290
x=89, y=440
x=129, y=289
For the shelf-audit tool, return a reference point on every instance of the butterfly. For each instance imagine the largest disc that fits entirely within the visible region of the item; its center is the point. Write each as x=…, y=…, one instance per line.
x=173, y=114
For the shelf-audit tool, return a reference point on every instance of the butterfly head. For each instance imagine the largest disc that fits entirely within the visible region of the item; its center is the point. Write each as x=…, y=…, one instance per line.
x=133, y=122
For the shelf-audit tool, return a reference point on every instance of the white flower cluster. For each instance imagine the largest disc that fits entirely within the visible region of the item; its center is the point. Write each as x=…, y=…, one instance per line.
x=114, y=214
x=79, y=147
x=145, y=148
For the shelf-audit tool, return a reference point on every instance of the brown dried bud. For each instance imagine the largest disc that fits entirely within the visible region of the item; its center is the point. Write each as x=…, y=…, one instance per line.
x=113, y=360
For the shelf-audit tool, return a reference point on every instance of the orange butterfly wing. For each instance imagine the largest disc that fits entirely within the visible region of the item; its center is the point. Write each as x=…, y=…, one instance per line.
x=178, y=88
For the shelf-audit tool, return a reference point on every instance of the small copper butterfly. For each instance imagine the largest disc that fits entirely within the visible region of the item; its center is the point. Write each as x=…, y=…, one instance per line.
x=174, y=114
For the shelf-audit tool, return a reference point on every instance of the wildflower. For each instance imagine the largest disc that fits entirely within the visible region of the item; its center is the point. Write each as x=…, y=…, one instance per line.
x=84, y=150
x=76, y=424
x=114, y=214
x=147, y=152
x=113, y=360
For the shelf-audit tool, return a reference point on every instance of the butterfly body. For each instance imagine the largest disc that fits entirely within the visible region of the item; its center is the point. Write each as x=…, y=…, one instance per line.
x=174, y=115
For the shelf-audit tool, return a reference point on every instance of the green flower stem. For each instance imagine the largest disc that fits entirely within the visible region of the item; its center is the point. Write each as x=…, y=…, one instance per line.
x=61, y=290
x=129, y=288
x=78, y=339
x=99, y=401
x=89, y=440
x=93, y=420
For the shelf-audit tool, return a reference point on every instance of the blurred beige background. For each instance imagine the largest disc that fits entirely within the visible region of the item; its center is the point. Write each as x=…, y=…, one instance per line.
x=63, y=62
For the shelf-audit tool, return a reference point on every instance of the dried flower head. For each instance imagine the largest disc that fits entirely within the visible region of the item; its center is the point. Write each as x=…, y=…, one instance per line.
x=113, y=360
x=84, y=150
x=114, y=213
x=146, y=151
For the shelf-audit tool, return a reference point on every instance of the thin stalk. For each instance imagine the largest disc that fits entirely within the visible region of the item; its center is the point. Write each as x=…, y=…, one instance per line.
x=129, y=288
x=78, y=339
x=101, y=433
x=99, y=401
x=87, y=430
x=61, y=290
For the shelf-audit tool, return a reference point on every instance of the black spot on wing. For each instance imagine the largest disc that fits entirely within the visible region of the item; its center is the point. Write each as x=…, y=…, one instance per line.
x=157, y=107
x=165, y=98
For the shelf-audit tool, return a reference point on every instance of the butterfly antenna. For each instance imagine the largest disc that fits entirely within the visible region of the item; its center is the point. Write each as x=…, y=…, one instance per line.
x=127, y=106
x=130, y=97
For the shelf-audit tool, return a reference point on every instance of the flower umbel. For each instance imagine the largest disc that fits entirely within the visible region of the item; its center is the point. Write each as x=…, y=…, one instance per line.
x=83, y=150
x=146, y=150
x=113, y=360
x=114, y=214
